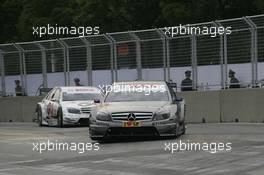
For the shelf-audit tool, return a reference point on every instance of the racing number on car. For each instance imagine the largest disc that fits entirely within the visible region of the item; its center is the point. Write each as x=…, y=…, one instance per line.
x=136, y=124
x=131, y=124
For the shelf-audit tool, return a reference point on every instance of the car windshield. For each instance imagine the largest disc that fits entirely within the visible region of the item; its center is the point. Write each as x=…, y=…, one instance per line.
x=80, y=96
x=137, y=95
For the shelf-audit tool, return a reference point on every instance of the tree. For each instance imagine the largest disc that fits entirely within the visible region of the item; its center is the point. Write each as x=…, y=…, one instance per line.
x=17, y=17
x=9, y=17
x=42, y=12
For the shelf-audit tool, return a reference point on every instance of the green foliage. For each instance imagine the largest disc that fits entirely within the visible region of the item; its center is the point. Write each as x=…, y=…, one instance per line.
x=17, y=17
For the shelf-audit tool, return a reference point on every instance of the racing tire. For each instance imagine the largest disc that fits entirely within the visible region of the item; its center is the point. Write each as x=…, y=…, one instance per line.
x=96, y=138
x=39, y=113
x=177, y=131
x=183, y=128
x=60, y=118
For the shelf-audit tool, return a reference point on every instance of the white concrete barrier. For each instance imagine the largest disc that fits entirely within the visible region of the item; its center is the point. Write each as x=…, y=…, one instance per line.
x=202, y=106
x=244, y=105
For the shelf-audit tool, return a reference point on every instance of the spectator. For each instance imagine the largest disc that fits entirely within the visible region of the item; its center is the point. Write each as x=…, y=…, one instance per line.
x=187, y=83
x=77, y=82
x=18, y=88
x=234, y=82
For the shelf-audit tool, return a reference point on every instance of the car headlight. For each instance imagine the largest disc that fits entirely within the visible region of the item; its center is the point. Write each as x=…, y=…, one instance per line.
x=74, y=110
x=103, y=116
x=161, y=116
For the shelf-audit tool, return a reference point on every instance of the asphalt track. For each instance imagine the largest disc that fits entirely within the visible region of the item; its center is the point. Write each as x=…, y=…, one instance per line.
x=145, y=156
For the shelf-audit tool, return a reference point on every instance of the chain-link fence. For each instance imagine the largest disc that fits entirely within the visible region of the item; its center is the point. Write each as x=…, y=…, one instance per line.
x=139, y=55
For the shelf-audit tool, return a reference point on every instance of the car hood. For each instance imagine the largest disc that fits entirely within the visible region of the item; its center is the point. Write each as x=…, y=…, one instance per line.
x=139, y=106
x=77, y=104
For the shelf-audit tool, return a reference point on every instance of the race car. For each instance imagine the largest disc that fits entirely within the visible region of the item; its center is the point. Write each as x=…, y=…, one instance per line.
x=138, y=108
x=67, y=105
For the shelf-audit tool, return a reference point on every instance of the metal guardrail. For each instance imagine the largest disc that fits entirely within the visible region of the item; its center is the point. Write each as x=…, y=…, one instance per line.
x=141, y=55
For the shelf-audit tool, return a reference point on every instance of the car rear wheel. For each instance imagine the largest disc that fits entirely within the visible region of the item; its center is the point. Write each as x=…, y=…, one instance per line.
x=60, y=118
x=183, y=128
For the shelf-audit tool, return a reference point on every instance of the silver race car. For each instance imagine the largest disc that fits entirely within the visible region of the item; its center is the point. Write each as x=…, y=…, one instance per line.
x=67, y=105
x=139, y=108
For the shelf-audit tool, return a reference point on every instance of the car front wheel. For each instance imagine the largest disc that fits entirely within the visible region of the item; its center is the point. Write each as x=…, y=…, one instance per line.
x=39, y=113
x=177, y=130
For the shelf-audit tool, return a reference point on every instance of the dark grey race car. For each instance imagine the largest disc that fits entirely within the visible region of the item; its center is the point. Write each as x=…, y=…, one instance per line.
x=138, y=108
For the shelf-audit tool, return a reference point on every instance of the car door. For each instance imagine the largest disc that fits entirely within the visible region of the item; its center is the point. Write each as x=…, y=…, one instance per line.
x=175, y=106
x=179, y=104
x=53, y=104
x=45, y=103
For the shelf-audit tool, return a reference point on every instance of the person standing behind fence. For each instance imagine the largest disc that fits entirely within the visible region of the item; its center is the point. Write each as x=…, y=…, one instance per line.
x=18, y=88
x=187, y=83
x=77, y=82
x=234, y=82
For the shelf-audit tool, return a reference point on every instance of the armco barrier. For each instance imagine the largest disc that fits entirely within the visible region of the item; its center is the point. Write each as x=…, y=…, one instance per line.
x=246, y=105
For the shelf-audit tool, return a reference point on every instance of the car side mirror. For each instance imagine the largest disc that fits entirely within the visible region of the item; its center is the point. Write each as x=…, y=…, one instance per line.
x=177, y=99
x=96, y=100
x=54, y=100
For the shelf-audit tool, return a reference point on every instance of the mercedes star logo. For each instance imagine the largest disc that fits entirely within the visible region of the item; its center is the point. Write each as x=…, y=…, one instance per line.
x=131, y=117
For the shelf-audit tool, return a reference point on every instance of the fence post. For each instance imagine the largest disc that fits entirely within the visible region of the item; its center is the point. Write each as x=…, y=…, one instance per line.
x=165, y=54
x=253, y=50
x=2, y=68
x=256, y=53
x=22, y=63
x=222, y=62
x=138, y=55
x=111, y=44
x=225, y=62
x=114, y=55
x=194, y=60
x=44, y=64
x=222, y=56
x=168, y=57
x=89, y=61
x=225, y=58
x=66, y=62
